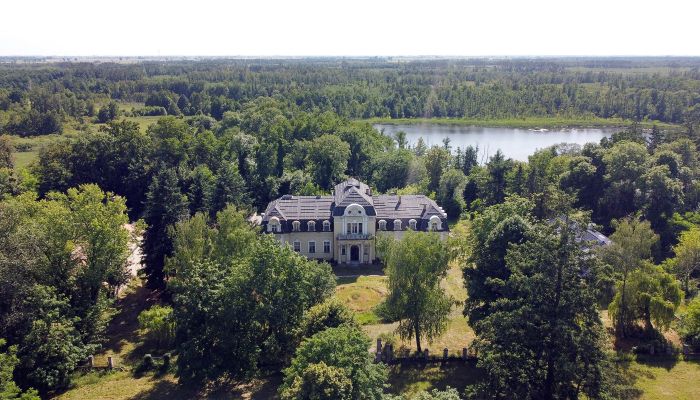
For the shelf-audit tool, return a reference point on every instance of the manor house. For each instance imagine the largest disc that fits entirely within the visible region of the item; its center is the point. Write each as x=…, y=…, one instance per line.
x=343, y=227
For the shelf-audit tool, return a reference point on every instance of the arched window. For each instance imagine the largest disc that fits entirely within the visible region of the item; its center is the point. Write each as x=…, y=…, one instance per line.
x=295, y=226
x=311, y=226
x=273, y=225
x=413, y=224
x=326, y=226
x=397, y=224
x=435, y=223
x=382, y=225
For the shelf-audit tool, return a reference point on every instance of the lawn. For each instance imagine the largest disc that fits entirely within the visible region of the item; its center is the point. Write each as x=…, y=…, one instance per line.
x=363, y=293
x=668, y=380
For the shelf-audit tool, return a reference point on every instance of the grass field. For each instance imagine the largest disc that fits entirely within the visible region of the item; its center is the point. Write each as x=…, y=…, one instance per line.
x=528, y=122
x=672, y=380
x=363, y=293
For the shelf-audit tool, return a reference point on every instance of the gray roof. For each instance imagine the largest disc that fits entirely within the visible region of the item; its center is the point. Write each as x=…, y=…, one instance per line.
x=352, y=191
x=411, y=206
x=299, y=208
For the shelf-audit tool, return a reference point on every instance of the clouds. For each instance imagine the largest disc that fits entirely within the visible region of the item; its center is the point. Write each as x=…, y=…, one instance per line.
x=360, y=27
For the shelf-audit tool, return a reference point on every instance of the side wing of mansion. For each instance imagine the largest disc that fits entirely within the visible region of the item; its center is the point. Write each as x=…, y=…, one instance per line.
x=342, y=227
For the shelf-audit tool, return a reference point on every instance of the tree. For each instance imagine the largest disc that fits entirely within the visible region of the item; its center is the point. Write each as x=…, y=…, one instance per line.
x=544, y=338
x=689, y=327
x=437, y=160
x=632, y=244
x=497, y=167
x=239, y=298
x=201, y=187
x=341, y=356
x=108, y=112
x=470, y=159
x=51, y=347
x=391, y=169
x=230, y=189
x=8, y=388
x=450, y=192
x=662, y=195
x=651, y=294
x=401, y=141
x=686, y=262
x=414, y=266
x=485, y=270
x=6, y=152
x=328, y=159
x=165, y=206
x=625, y=163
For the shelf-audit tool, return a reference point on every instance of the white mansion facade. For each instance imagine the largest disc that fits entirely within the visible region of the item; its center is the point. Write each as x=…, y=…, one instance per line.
x=343, y=227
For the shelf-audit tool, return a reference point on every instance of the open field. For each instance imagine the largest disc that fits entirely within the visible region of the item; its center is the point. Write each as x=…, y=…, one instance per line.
x=363, y=293
x=668, y=380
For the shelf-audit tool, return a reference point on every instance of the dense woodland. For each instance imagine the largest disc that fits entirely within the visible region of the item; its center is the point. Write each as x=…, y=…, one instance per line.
x=236, y=134
x=39, y=98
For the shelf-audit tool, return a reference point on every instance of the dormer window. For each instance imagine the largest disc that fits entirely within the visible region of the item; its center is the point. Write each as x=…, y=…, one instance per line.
x=435, y=223
x=382, y=225
x=274, y=225
x=311, y=226
x=296, y=226
x=412, y=224
x=397, y=224
x=326, y=226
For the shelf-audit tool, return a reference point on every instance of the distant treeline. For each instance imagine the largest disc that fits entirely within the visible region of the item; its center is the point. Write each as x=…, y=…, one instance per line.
x=37, y=98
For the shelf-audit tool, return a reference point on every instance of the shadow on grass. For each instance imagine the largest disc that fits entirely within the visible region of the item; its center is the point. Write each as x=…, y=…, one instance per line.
x=123, y=328
x=256, y=390
x=410, y=378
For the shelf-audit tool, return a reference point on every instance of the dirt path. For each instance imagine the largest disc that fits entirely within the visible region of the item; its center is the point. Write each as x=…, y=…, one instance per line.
x=135, y=253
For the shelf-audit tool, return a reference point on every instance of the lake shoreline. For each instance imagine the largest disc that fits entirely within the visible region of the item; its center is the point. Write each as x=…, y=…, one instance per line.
x=526, y=123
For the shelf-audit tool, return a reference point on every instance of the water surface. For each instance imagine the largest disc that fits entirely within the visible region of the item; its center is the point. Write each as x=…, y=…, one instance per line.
x=516, y=143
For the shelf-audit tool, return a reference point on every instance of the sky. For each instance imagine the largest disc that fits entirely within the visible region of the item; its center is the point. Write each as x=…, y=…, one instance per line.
x=349, y=28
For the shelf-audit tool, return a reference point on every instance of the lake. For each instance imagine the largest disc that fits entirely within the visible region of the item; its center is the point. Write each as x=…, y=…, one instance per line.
x=516, y=143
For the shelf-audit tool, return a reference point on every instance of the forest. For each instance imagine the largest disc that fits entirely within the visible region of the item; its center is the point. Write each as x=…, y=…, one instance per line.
x=185, y=152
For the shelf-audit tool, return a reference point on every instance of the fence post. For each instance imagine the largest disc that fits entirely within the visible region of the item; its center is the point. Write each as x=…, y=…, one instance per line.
x=445, y=353
x=426, y=355
x=379, y=345
x=464, y=353
x=389, y=352
x=110, y=362
x=91, y=361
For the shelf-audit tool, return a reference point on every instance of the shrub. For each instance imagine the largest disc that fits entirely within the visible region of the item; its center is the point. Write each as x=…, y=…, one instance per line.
x=329, y=314
x=159, y=326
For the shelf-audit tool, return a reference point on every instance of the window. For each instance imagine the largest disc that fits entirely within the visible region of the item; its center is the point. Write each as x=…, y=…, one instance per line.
x=326, y=226
x=273, y=225
x=342, y=250
x=397, y=224
x=297, y=246
x=312, y=247
x=435, y=223
x=382, y=225
x=295, y=226
x=311, y=226
x=354, y=227
x=327, y=246
x=412, y=223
